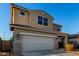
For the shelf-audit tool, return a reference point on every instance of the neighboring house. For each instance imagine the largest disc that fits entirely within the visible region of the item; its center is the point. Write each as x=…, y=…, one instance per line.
x=74, y=39
x=34, y=30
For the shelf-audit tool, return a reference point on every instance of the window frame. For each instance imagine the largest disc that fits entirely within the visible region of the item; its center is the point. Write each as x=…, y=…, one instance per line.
x=40, y=20
x=45, y=21
x=21, y=14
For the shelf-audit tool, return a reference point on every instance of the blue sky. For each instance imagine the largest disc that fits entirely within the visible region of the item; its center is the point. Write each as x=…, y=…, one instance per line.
x=64, y=14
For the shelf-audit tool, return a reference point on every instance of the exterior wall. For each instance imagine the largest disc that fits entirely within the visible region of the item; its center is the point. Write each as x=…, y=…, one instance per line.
x=30, y=18
x=34, y=19
x=18, y=19
x=18, y=42
x=17, y=31
x=56, y=27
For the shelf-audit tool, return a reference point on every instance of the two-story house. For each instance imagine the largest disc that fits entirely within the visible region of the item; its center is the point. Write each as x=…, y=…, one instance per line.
x=34, y=30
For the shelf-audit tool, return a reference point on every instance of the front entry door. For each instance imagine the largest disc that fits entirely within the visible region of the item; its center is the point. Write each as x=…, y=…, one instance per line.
x=61, y=43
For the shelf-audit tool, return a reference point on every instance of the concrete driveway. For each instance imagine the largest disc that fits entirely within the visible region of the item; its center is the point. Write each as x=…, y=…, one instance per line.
x=73, y=53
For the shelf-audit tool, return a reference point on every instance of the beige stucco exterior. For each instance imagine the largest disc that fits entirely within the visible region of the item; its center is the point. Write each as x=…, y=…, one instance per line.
x=57, y=27
x=30, y=19
x=34, y=22
x=18, y=41
x=24, y=20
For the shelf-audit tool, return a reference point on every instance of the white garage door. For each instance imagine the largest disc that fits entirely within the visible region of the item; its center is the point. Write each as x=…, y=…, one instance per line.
x=34, y=42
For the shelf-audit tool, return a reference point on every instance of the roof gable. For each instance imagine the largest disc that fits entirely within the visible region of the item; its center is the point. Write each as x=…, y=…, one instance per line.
x=25, y=9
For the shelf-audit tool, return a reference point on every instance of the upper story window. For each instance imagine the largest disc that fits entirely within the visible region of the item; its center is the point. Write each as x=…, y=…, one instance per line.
x=22, y=13
x=42, y=21
x=58, y=29
x=45, y=22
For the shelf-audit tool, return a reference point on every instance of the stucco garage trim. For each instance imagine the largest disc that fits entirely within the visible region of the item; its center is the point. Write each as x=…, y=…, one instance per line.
x=37, y=35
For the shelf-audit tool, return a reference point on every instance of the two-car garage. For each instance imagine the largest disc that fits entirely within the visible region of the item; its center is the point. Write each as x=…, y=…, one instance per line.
x=34, y=42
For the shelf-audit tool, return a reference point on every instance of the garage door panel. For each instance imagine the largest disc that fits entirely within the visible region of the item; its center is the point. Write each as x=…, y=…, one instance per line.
x=31, y=43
